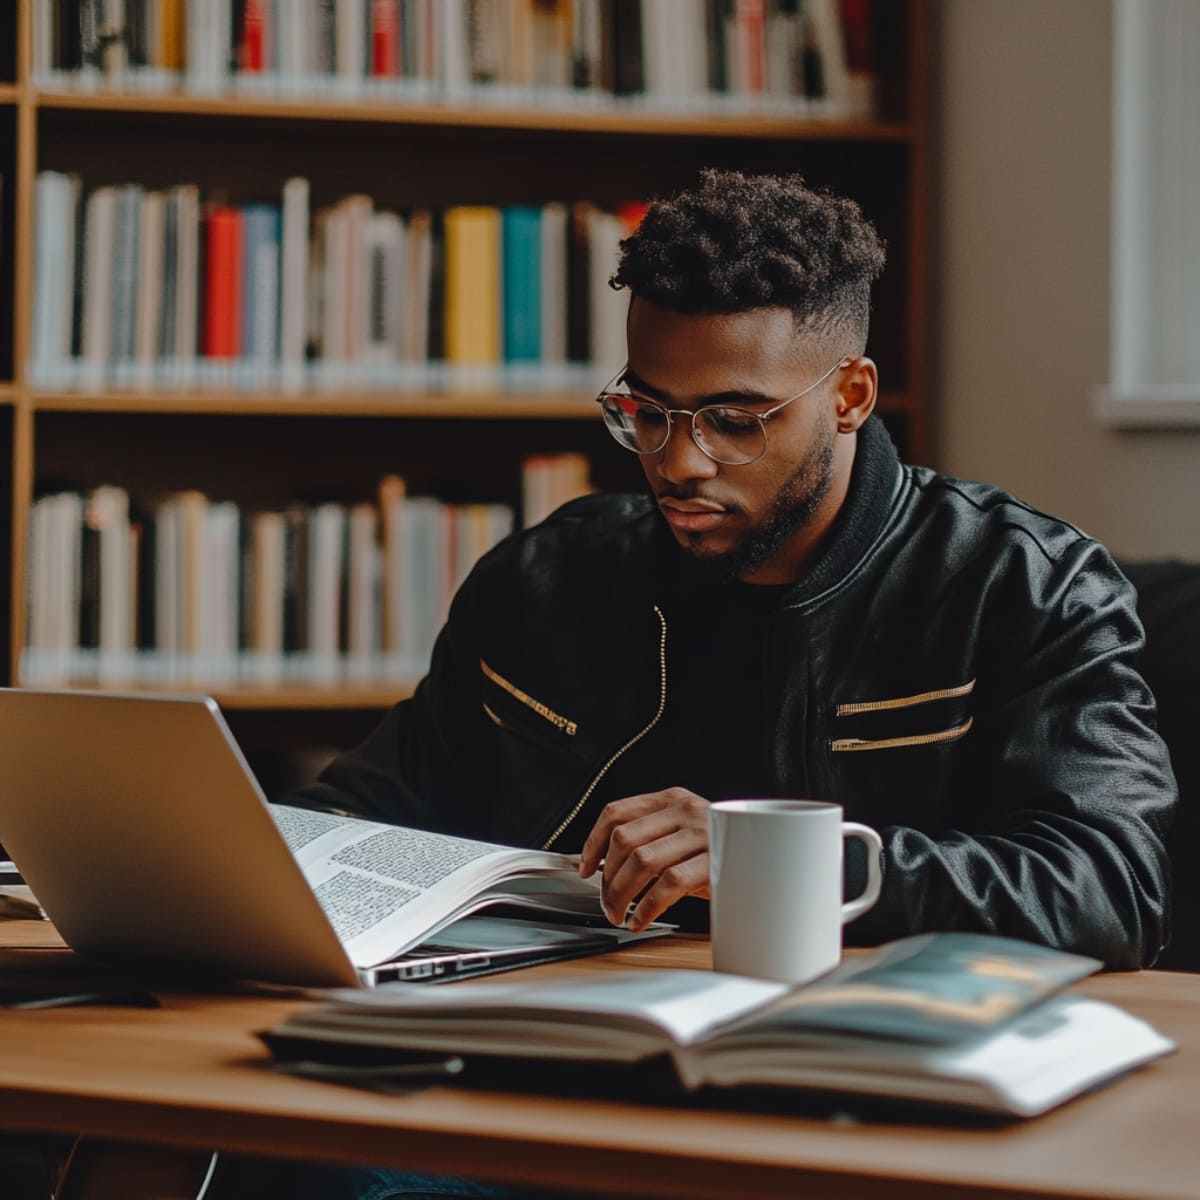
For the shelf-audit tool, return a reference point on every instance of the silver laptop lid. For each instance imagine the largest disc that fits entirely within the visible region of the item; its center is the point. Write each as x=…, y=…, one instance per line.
x=145, y=837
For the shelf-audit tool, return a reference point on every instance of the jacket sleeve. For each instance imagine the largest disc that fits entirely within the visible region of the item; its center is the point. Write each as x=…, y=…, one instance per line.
x=1059, y=811
x=423, y=765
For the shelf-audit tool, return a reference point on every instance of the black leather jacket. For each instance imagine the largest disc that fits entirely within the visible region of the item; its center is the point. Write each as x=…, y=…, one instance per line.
x=956, y=669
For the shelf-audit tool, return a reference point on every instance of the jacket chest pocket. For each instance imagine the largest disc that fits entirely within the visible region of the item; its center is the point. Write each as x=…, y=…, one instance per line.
x=893, y=756
x=519, y=714
x=929, y=718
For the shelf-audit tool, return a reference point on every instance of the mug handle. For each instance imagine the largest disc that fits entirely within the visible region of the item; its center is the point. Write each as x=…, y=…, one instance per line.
x=859, y=905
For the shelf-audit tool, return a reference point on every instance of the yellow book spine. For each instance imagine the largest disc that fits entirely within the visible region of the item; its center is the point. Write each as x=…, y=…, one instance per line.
x=472, y=285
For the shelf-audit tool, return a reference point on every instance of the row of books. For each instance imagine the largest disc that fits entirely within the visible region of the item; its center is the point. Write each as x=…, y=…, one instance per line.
x=798, y=55
x=141, y=288
x=189, y=589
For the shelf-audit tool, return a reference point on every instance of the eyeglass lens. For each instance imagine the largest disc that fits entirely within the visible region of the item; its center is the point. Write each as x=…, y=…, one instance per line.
x=728, y=435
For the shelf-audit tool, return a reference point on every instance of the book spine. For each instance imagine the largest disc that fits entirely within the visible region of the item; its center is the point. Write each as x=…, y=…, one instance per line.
x=522, y=275
x=472, y=285
x=385, y=39
x=97, y=285
x=150, y=289
x=125, y=278
x=223, y=284
x=294, y=297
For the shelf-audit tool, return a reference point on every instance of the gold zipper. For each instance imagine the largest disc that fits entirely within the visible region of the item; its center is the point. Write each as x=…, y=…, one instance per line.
x=568, y=727
x=637, y=737
x=920, y=739
x=866, y=706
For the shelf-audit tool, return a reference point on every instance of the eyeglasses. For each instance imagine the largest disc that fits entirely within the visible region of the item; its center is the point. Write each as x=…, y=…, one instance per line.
x=728, y=434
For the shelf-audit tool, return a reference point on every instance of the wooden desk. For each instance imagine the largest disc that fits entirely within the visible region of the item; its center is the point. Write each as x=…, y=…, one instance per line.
x=192, y=1074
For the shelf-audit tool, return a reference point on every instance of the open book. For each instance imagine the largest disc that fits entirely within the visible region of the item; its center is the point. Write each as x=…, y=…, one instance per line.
x=965, y=1020
x=408, y=904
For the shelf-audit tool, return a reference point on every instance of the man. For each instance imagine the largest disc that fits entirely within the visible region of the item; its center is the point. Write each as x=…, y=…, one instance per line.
x=790, y=611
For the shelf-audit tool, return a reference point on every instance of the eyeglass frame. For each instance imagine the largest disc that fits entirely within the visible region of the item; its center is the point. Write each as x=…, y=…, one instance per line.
x=692, y=413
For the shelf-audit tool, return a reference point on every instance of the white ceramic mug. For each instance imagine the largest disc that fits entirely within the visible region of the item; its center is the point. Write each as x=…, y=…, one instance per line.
x=776, y=878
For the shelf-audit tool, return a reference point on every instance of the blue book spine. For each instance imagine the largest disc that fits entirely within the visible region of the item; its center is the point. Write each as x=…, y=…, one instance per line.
x=260, y=294
x=522, y=261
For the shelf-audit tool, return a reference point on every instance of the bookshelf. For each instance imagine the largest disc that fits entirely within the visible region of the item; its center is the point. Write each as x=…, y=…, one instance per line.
x=268, y=447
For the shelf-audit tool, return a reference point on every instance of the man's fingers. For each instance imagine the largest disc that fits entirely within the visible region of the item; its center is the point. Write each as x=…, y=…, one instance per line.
x=688, y=878
x=616, y=814
x=644, y=866
x=595, y=848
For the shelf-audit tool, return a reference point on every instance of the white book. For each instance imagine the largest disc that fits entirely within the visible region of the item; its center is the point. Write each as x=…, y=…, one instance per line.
x=829, y=37
x=385, y=287
x=607, y=308
x=451, y=39
x=363, y=634
x=43, y=38
x=187, y=275
x=168, y=580
x=56, y=198
x=423, y=554
x=294, y=271
x=149, y=304
x=209, y=31
x=351, y=39
x=355, y=306
x=63, y=582
x=418, y=284
x=660, y=47
x=219, y=592
x=126, y=247
x=193, y=570
x=694, y=40
x=99, y=235
x=326, y=579
x=107, y=512
x=293, y=35
x=554, y=294
x=967, y=1021
x=333, y=251
x=265, y=602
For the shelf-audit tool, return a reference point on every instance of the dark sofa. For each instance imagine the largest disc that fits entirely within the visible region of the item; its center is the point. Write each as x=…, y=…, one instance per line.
x=1169, y=604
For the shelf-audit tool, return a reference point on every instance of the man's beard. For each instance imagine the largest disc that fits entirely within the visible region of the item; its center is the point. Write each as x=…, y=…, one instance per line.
x=795, y=505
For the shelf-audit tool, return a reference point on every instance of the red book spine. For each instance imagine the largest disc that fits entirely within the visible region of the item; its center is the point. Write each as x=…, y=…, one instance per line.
x=385, y=38
x=223, y=284
x=253, y=36
x=752, y=16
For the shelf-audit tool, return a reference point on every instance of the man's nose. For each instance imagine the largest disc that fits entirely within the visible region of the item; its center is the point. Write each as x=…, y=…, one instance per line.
x=681, y=459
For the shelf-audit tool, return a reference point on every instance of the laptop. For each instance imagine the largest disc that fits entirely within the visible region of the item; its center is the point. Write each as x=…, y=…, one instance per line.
x=146, y=839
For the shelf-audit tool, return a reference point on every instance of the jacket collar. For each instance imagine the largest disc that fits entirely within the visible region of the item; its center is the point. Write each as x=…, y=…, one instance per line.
x=874, y=482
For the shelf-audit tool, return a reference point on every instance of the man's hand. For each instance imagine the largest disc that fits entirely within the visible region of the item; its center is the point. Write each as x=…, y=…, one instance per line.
x=654, y=846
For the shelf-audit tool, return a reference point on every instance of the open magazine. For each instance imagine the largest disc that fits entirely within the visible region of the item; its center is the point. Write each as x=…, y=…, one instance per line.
x=465, y=906
x=965, y=1020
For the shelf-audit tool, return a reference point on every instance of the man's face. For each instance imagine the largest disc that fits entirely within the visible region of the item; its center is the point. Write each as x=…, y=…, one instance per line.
x=757, y=521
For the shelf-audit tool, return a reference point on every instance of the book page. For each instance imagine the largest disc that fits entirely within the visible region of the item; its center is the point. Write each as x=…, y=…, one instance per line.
x=386, y=887
x=932, y=987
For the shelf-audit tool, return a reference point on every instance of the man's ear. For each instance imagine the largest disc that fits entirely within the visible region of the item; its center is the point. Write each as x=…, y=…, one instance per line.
x=857, y=388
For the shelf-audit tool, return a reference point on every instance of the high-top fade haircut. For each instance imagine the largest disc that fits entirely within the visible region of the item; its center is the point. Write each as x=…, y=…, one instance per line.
x=737, y=242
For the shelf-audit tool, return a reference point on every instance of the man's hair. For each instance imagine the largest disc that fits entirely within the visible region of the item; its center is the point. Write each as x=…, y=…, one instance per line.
x=737, y=242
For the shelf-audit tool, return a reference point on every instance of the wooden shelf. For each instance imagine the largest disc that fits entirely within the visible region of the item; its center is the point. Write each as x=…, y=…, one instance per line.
x=315, y=697
x=494, y=406
x=8, y=393
x=489, y=405
x=615, y=118
x=9, y=93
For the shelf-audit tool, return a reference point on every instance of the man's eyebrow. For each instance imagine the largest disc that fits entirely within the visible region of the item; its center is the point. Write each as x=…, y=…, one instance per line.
x=730, y=396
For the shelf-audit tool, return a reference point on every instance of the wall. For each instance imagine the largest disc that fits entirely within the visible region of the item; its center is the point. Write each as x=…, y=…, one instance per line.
x=1021, y=276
